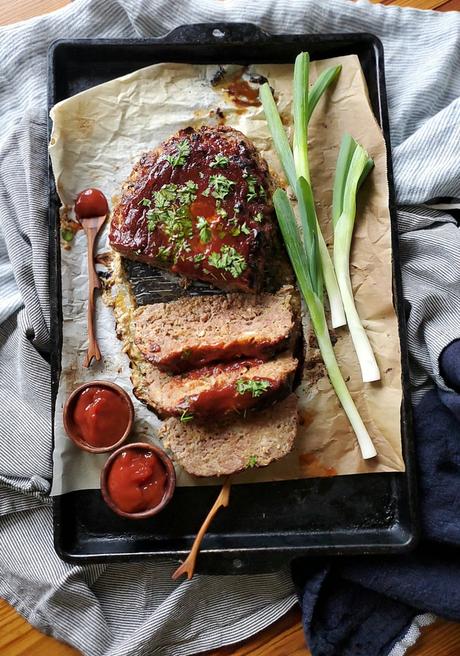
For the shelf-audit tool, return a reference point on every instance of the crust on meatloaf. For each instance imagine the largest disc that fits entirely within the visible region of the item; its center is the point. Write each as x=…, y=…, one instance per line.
x=217, y=390
x=199, y=205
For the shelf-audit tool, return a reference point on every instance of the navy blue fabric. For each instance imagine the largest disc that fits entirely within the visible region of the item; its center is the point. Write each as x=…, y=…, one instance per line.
x=363, y=606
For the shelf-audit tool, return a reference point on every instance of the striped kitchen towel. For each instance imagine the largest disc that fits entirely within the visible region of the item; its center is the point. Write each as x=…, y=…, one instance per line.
x=134, y=609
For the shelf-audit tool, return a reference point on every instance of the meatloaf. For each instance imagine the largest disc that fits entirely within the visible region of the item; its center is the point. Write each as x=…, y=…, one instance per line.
x=193, y=332
x=199, y=205
x=217, y=390
x=217, y=449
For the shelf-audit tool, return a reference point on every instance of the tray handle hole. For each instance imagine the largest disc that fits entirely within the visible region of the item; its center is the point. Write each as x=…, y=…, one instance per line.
x=218, y=34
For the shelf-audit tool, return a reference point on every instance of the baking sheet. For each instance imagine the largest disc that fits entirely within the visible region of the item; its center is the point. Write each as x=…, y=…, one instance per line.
x=96, y=137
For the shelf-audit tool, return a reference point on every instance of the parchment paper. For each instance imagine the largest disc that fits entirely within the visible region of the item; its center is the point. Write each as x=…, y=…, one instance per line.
x=98, y=134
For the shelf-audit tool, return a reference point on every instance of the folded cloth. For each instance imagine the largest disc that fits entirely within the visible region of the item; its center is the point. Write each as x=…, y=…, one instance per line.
x=135, y=608
x=365, y=605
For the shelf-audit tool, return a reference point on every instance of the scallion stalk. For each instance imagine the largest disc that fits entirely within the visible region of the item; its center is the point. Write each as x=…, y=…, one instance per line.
x=297, y=165
x=310, y=285
x=323, y=81
x=353, y=166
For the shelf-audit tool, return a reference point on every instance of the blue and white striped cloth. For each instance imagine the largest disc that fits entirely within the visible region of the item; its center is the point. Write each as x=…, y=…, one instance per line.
x=135, y=609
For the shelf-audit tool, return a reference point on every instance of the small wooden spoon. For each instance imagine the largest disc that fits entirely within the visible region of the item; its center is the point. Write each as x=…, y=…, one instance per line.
x=188, y=566
x=91, y=209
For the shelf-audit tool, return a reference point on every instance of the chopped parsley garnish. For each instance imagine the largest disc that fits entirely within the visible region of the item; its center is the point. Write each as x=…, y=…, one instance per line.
x=219, y=186
x=221, y=212
x=146, y=202
x=180, y=156
x=164, y=252
x=235, y=231
x=229, y=260
x=245, y=229
x=252, y=462
x=255, y=190
x=204, y=229
x=186, y=417
x=259, y=217
x=256, y=387
x=199, y=257
x=169, y=209
x=219, y=160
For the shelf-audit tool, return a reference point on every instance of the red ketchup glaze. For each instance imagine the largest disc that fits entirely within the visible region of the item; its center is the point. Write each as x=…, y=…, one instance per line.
x=90, y=203
x=100, y=416
x=137, y=480
x=223, y=400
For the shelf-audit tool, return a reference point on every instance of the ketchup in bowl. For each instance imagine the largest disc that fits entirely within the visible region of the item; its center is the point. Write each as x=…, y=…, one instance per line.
x=138, y=480
x=98, y=416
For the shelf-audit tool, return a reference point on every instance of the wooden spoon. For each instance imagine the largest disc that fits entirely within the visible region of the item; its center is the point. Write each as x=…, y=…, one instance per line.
x=91, y=209
x=188, y=566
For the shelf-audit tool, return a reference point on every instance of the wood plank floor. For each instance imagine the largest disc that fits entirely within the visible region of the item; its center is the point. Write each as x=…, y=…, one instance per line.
x=285, y=637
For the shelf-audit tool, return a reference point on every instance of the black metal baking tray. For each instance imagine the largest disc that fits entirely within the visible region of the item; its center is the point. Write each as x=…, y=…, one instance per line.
x=267, y=523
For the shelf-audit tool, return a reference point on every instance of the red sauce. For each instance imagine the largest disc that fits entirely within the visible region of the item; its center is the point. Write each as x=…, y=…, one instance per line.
x=226, y=399
x=89, y=203
x=100, y=416
x=243, y=94
x=137, y=480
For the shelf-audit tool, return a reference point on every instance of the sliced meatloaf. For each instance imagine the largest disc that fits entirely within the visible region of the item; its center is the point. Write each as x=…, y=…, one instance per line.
x=217, y=449
x=199, y=205
x=215, y=391
x=193, y=332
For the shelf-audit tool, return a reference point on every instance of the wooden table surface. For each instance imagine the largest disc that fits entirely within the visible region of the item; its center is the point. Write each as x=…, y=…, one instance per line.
x=285, y=637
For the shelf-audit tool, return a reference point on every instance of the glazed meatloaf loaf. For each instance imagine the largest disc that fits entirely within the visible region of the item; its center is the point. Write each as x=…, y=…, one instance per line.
x=217, y=390
x=216, y=449
x=199, y=205
x=193, y=332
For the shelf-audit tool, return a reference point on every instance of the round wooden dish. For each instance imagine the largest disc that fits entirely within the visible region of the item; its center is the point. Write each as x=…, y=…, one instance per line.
x=170, y=484
x=69, y=426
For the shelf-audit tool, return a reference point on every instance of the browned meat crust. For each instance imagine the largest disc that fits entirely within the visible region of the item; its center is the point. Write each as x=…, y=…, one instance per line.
x=218, y=449
x=215, y=391
x=193, y=332
x=199, y=205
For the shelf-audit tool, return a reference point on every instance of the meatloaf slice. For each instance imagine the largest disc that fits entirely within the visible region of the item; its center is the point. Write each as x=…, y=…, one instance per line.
x=218, y=449
x=199, y=205
x=217, y=390
x=193, y=332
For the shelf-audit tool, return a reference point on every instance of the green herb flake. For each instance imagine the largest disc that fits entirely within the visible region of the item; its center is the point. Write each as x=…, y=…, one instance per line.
x=259, y=217
x=199, y=258
x=164, y=252
x=229, y=260
x=204, y=229
x=220, y=186
x=186, y=417
x=222, y=213
x=255, y=190
x=219, y=161
x=252, y=462
x=67, y=235
x=180, y=156
x=235, y=231
x=256, y=387
x=245, y=230
x=146, y=202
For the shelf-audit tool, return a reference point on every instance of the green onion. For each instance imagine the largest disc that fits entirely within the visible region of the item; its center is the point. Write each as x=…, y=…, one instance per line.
x=353, y=166
x=305, y=272
x=323, y=81
x=298, y=165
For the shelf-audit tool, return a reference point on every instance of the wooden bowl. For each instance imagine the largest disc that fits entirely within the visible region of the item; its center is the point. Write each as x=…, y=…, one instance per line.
x=68, y=410
x=170, y=483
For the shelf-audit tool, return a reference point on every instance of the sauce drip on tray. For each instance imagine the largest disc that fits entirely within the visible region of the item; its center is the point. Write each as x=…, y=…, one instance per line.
x=137, y=480
x=100, y=416
x=90, y=203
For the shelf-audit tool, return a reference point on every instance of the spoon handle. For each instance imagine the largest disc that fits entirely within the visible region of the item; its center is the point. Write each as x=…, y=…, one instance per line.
x=94, y=283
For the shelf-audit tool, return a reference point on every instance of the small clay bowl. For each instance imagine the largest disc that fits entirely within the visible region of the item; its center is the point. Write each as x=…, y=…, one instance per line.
x=68, y=410
x=170, y=480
